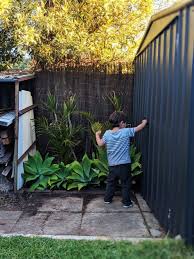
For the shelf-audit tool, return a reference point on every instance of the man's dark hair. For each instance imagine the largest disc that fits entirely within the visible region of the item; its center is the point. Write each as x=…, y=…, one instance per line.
x=116, y=117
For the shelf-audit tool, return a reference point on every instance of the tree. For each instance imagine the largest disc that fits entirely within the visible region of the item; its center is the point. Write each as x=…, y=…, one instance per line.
x=58, y=33
x=9, y=53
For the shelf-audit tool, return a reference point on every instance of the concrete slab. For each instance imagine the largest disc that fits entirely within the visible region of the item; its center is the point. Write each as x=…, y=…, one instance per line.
x=7, y=220
x=97, y=205
x=63, y=223
x=114, y=225
x=142, y=203
x=153, y=225
x=30, y=223
x=71, y=204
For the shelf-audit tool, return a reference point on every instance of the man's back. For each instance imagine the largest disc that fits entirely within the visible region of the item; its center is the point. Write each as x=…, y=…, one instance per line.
x=117, y=145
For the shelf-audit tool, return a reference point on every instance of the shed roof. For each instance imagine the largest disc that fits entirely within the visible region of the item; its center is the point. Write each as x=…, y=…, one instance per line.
x=160, y=21
x=11, y=77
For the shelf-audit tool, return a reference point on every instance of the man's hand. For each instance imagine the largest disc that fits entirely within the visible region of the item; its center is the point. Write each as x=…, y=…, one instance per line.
x=99, y=141
x=141, y=126
x=98, y=133
x=144, y=121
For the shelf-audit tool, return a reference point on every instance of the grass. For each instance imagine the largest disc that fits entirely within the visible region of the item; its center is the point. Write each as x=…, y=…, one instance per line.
x=23, y=247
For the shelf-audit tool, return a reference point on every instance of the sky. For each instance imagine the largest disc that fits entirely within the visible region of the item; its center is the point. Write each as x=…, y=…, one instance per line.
x=162, y=4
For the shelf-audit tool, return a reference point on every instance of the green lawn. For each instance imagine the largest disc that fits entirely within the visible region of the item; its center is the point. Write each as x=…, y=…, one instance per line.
x=23, y=248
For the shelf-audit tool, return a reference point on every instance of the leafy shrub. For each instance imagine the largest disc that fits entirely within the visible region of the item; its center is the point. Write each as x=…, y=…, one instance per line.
x=135, y=161
x=88, y=172
x=62, y=134
x=40, y=172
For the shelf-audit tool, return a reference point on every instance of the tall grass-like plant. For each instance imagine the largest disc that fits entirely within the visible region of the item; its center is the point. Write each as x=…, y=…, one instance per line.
x=62, y=134
x=115, y=101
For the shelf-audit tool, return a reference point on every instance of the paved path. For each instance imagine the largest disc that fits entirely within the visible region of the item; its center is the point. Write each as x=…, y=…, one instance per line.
x=58, y=215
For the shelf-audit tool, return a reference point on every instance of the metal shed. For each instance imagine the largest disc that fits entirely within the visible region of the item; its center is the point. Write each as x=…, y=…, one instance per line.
x=11, y=87
x=164, y=93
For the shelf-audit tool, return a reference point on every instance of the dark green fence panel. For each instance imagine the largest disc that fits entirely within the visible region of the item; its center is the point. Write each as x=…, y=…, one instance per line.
x=164, y=93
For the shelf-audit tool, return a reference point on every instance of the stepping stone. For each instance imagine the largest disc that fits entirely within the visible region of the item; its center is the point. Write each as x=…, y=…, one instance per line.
x=63, y=223
x=30, y=223
x=7, y=220
x=153, y=225
x=97, y=205
x=142, y=203
x=71, y=204
x=114, y=225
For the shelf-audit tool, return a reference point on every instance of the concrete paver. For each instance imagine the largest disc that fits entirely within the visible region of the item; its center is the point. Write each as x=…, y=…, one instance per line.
x=114, y=224
x=97, y=205
x=63, y=223
x=73, y=204
x=153, y=225
x=56, y=215
x=30, y=223
x=142, y=203
x=8, y=220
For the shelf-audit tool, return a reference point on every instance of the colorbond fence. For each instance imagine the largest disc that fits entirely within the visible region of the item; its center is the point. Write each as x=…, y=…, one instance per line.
x=164, y=92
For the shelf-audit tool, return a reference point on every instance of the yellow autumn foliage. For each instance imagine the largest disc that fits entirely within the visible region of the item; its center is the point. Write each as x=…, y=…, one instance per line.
x=60, y=32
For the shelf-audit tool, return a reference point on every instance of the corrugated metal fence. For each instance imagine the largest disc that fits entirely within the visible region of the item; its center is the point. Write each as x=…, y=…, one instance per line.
x=164, y=93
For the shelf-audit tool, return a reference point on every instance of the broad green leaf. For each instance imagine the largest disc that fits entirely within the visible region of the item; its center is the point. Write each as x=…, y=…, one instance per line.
x=75, y=177
x=101, y=166
x=86, y=165
x=44, y=182
x=72, y=186
x=35, y=185
x=48, y=161
x=135, y=165
x=81, y=185
x=102, y=174
x=31, y=178
x=29, y=169
x=76, y=167
x=64, y=185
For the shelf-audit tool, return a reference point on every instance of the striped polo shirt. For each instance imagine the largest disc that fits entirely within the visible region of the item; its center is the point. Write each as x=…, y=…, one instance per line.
x=117, y=145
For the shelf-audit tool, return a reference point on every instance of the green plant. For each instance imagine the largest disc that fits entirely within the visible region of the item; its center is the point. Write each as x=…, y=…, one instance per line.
x=62, y=134
x=135, y=161
x=88, y=172
x=40, y=172
x=115, y=101
x=60, y=179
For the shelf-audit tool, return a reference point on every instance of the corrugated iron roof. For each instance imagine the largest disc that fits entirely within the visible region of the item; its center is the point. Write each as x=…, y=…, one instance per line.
x=14, y=76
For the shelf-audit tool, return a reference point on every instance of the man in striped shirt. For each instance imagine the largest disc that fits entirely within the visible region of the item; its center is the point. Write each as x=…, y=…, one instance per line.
x=117, y=143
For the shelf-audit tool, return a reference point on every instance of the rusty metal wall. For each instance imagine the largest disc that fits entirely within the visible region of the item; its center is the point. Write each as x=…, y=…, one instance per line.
x=164, y=93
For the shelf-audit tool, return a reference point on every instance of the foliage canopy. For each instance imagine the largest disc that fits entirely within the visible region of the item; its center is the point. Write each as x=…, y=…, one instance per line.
x=60, y=32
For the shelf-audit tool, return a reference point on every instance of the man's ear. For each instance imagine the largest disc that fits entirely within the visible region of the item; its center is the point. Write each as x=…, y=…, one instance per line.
x=121, y=123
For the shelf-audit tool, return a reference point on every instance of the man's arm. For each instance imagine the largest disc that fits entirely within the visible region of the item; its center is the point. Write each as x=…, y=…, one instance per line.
x=99, y=141
x=141, y=126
